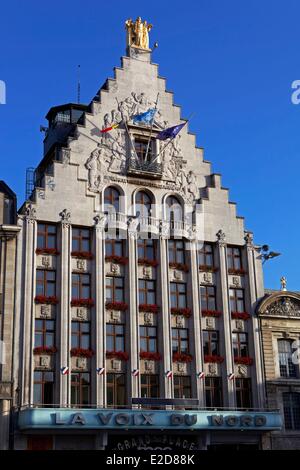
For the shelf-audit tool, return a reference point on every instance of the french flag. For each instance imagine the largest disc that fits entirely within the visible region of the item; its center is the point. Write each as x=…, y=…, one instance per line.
x=200, y=375
x=100, y=370
x=230, y=376
x=169, y=374
x=64, y=370
x=135, y=372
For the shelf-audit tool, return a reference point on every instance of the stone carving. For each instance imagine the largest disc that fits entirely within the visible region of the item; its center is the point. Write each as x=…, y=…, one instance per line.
x=149, y=366
x=100, y=221
x=65, y=216
x=236, y=281
x=132, y=223
x=148, y=318
x=118, y=157
x=180, y=321
x=210, y=323
x=95, y=173
x=242, y=371
x=30, y=213
x=147, y=272
x=177, y=275
x=284, y=307
x=283, y=282
x=164, y=229
x=182, y=367
x=239, y=324
x=46, y=261
x=212, y=369
x=50, y=183
x=81, y=264
x=116, y=365
x=81, y=363
x=249, y=241
x=45, y=361
x=115, y=316
x=115, y=269
x=138, y=33
x=81, y=313
x=65, y=156
x=221, y=238
x=45, y=311
x=207, y=278
x=40, y=193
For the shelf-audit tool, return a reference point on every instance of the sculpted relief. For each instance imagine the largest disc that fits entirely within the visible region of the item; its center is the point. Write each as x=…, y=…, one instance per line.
x=284, y=307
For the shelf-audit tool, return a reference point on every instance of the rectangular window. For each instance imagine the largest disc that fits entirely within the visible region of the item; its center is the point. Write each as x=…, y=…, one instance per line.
x=115, y=337
x=44, y=333
x=147, y=292
x=114, y=247
x=240, y=344
x=205, y=255
x=46, y=236
x=147, y=248
x=243, y=393
x=211, y=343
x=116, y=391
x=80, y=388
x=43, y=387
x=114, y=289
x=148, y=338
x=141, y=148
x=234, y=257
x=237, y=301
x=178, y=295
x=81, y=239
x=149, y=386
x=176, y=251
x=291, y=409
x=286, y=366
x=81, y=286
x=182, y=386
x=180, y=340
x=208, y=298
x=81, y=335
x=45, y=282
x=213, y=392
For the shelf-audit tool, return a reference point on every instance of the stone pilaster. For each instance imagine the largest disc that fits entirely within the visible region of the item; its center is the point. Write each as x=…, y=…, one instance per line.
x=226, y=317
x=133, y=306
x=65, y=313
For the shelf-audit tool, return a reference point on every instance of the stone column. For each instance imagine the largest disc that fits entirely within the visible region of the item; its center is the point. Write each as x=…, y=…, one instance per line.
x=133, y=305
x=257, y=377
x=99, y=282
x=28, y=306
x=165, y=309
x=65, y=309
x=223, y=283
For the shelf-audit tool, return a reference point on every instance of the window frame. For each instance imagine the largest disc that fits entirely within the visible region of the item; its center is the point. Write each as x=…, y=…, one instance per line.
x=114, y=288
x=115, y=336
x=207, y=296
x=180, y=386
x=80, y=239
x=46, y=236
x=210, y=341
x=177, y=295
x=46, y=283
x=147, y=337
x=42, y=384
x=148, y=386
x=79, y=386
x=44, y=332
x=80, y=285
x=234, y=299
x=80, y=334
x=180, y=340
x=114, y=386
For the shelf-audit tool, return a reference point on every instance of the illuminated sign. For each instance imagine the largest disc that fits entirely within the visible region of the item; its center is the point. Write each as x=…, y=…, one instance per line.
x=62, y=418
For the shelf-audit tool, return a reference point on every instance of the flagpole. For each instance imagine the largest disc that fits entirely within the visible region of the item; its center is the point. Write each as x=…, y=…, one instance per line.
x=126, y=127
x=148, y=144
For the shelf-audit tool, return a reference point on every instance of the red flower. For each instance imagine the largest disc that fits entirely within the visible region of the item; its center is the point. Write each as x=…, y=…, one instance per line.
x=148, y=308
x=150, y=355
x=82, y=254
x=81, y=352
x=117, y=355
x=180, y=266
x=248, y=361
x=182, y=357
x=116, y=306
x=82, y=302
x=148, y=262
x=117, y=259
x=45, y=350
x=211, y=313
x=47, y=251
x=214, y=358
x=43, y=299
x=186, y=312
x=207, y=268
x=240, y=315
x=236, y=271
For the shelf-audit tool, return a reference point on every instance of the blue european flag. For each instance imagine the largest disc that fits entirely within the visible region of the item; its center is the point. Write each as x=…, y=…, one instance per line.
x=144, y=118
x=170, y=133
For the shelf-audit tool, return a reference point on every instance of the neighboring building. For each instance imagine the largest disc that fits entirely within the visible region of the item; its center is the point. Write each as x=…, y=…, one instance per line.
x=8, y=236
x=117, y=296
x=279, y=318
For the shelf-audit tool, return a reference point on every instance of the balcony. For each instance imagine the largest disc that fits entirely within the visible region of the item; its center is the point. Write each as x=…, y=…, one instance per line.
x=151, y=169
x=116, y=220
x=149, y=225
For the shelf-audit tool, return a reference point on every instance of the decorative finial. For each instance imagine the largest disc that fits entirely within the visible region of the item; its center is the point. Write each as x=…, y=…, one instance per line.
x=283, y=283
x=138, y=33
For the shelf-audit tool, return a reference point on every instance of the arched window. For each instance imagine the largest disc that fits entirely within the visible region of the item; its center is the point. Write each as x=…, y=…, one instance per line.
x=143, y=204
x=174, y=211
x=111, y=200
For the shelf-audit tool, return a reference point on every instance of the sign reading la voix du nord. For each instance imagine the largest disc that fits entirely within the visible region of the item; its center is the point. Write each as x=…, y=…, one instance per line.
x=46, y=418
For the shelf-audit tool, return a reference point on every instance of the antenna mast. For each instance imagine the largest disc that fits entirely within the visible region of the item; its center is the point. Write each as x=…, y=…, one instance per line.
x=78, y=84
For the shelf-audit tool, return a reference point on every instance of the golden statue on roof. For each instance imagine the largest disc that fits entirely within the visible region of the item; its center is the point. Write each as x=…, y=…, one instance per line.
x=138, y=33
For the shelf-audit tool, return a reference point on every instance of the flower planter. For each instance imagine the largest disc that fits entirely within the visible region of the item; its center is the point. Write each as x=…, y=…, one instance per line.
x=82, y=254
x=240, y=315
x=45, y=350
x=186, y=312
x=247, y=361
x=150, y=356
x=122, y=355
x=179, y=266
x=211, y=313
x=148, y=262
x=80, y=352
x=214, y=359
x=116, y=306
x=182, y=357
x=153, y=308
x=43, y=299
x=82, y=303
x=47, y=251
x=117, y=259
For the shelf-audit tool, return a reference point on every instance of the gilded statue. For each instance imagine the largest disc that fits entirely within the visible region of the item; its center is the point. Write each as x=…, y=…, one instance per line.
x=138, y=33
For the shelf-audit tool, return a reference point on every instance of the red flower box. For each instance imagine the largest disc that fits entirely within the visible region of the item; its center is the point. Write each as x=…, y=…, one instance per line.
x=44, y=350
x=47, y=251
x=81, y=352
x=236, y=271
x=247, y=361
x=180, y=266
x=207, y=268
x=153, y=308
x=240, y=315
x=148, y=262
x=116, y=306
x=82, y=302
x=186, y=312
x=211, y=313
x=117, y=259
x=182, y=357
x=151, y=356
x=82, y=254
x=215, y=358
x=117, y=355
x=43, y=299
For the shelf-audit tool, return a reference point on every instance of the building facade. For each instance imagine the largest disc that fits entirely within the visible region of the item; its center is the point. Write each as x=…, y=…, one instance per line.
x=279, y=315
x=136, y=283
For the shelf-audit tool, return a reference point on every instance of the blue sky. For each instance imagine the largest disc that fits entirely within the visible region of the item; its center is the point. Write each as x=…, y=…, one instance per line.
x=230, y=62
